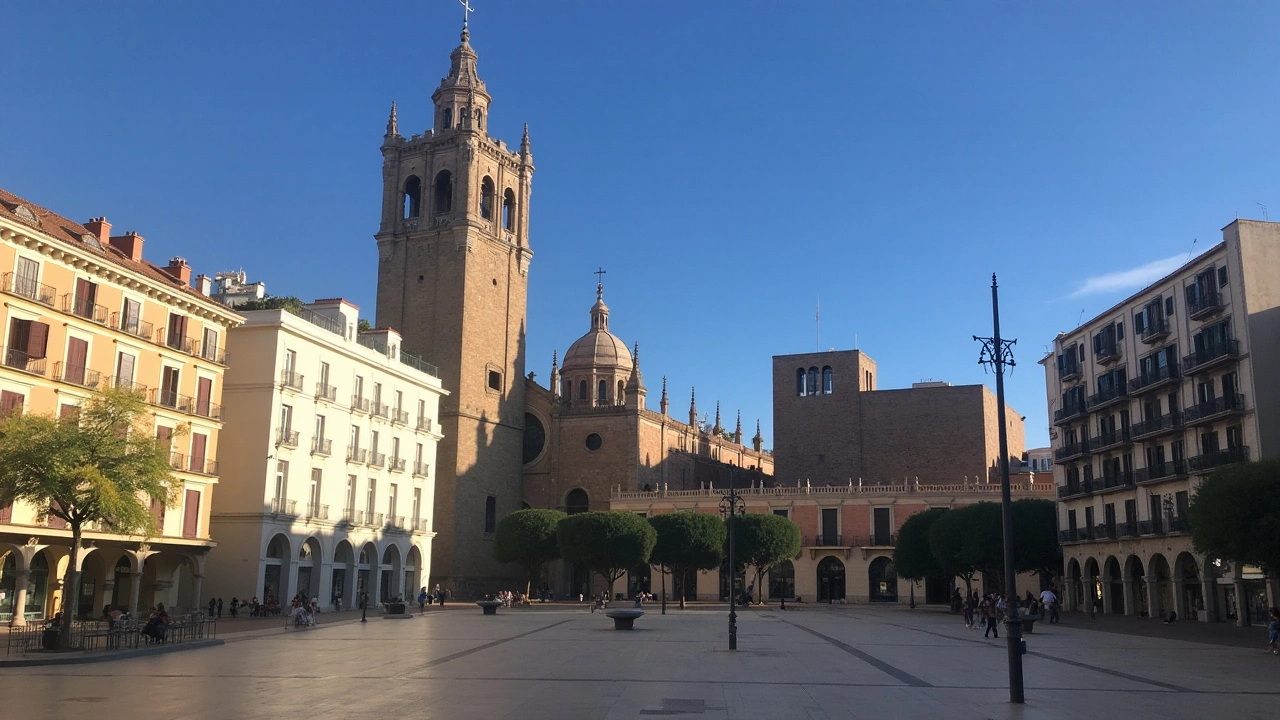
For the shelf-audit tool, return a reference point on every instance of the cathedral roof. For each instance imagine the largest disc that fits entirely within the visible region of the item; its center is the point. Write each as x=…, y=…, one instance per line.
x=599, y=347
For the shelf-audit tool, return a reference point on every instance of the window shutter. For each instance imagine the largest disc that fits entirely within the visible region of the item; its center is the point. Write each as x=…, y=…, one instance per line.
x=191, y=514
x=10, y=402
x=124, y=369
x=204, y=389
x=77, y=358
x=198, y=443
x=37, y=340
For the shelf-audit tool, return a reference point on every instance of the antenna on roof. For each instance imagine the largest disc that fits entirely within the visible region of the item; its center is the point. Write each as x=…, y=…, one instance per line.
x=817, y=325
x=1193, y=244
x=1265, y=216
x=1081, y=318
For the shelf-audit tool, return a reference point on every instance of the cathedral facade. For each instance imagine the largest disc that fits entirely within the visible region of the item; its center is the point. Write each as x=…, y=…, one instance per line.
x=454, y=257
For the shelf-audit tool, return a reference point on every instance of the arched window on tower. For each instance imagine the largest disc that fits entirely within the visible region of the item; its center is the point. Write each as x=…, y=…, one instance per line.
x=566, y=389
x=622, y=393
x=479, y=119
x=508, y=209
x=826, y=380
x=812, y=388
x=444, y=192
x=603, y=397
x=582, y=390
x=446, y=119
x=800, y=382
x=486, y=198
x=412, y=197
x=576, y=502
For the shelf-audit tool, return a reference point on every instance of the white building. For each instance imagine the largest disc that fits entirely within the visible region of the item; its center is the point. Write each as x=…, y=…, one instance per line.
x=328, y=468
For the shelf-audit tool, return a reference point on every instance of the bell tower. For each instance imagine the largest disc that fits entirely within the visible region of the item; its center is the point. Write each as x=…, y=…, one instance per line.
x=453, y=264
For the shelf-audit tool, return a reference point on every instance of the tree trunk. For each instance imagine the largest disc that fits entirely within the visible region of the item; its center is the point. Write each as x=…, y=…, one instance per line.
x=71, y=585
x=759, y=586
x=684, y=586
x=663, y=570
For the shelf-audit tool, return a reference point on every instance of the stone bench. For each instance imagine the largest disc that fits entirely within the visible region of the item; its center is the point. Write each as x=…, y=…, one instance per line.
x=623, y=619
x=490, y=607
x=1029, y=623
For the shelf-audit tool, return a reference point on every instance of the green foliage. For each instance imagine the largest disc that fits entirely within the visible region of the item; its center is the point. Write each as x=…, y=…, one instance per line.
x=687, y=542
x=606, y=542
x=1235, y=514
x=528, y=537
x=764, y=540
x=101, y=466
x=274, y=302
x=1035, y=536
x=969, y=540
x=912, y=557
x=363, y=325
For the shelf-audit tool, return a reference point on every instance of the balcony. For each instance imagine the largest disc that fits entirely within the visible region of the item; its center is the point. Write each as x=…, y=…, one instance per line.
x=348, y=516
x=397, y=464
x=1118, y=480
x=316, y=511
x=1206, y=412
x=1170, y=470
x=1068, y=413
x=1151, y=527
x=396, y=522
x=876, y=540
x=1070, y=371
x=823, y=541
x=181, y=343
x=1072, y=489
x=28, y=288
x=287, y=438
x=321, y=446
x=1176, y=525
x=1071, y=535
x=81, y=307
x=171, y=399
x=359, y=404
x=1071, y=451
x=1206, y=305
x=1167, y=375
x=424, y=424
x=20, y=360
x=326, y=392
x=1108, y=353
x=357, y=455
x=1211, y=357
x=128, y=384
x=1108, y=397
x=1156, y=331
x=381, y=410
x=420, y=469
x=377, y=460
x=84, y=377
x=400, y=417
x=133, y=326
x=201, y=466
x=371, y=519
x=1127, y=529
x=290, y=380
x=284, y=506
x=1104, y=531
x=1218, y=458
x=1155, y=427
x=177, y=461
x=212, y=353
x=1109, y=440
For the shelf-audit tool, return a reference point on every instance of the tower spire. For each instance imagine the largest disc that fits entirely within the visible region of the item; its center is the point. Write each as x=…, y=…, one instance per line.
x=693, y=408
x=717, y=428
x=737, y=431
x=393, y=128
x=555, y=374
x=635, y=384
x=664, y=396
x=757, y=442
x=524, y=141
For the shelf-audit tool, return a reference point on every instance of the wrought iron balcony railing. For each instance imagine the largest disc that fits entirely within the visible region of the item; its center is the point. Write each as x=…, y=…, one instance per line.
x=326, y=392
x=1156, y=426
x=1206, y=412
x=76, y=375
x=20, y=360
x=322, y=446
x=1155, y=331
x=287, y=437
x=1218, y=458
x=1204, y=305
x=284, y=506
x=81, y=307
x=1210, y=357
x=290, y=379
x=1160, y=377
x=27, y=288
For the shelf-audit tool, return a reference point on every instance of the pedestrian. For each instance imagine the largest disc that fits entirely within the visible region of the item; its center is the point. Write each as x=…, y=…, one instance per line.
x=422, y=600
x=988, y=608
x=1050, y=600
x=213, y=607
x=1273, y=631
x=968, y=614
x=219, y=608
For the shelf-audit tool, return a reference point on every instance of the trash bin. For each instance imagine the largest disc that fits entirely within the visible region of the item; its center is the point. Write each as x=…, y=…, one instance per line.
x=49, y=638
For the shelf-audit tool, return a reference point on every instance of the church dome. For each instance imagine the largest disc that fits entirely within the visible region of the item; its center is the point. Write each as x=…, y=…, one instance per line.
x=599, y=348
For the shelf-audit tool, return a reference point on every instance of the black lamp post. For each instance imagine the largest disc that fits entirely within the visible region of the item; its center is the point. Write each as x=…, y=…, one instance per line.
x=998, y=353
x=732, y=505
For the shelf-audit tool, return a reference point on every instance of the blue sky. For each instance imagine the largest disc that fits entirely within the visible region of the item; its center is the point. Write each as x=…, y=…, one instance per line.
x=726, y=163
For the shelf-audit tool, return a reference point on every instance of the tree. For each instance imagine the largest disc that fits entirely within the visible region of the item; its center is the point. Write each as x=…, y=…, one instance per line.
x=1035, y=536
x=274, y=302
x=528, y=537
x=608, y=543
x=764, y=540
x=363, y=325
x=912, y=557
x=1235, y=514
x=968, y=540
x=102, y=466
x=686, y=543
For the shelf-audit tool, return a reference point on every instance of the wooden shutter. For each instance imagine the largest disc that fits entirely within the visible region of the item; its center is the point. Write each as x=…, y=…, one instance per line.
x=84, y=298
x=164, y=436
x=68, y=412
x=37, y=340
x=6, y=512
x=191, y=514
x=198, y=444
x=124, y=370
x=10, y=402
x=132, y=316
x=204, y=389
x=77, y=359
x=157, y=512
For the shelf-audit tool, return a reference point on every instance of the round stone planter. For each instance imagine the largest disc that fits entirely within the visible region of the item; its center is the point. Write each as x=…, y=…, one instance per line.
x=623, y=619
x=490, y=607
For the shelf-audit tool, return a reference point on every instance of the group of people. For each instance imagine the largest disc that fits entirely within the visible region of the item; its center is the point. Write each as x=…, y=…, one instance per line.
x=991, y=608
x=438, y=595
x=271, y=608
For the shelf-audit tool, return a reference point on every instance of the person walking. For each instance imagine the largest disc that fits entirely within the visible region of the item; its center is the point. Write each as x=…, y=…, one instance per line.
x=422, y=600
x=1049, y=599
x=219, y=608
x=968, y=614
x=988, y=608
x=1273, y=631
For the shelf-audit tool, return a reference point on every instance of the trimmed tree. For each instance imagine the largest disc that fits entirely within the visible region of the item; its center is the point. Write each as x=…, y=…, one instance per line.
x=912, y=557
x=1235, y=514
x=687, y=542
x=606, y=542
x=528, y=537
x=102, y=466
x=764, y=540
x=968, y=540
x=1035, y=537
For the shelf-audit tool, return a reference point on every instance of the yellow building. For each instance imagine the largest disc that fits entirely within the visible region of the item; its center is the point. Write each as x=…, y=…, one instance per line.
x=83, y=310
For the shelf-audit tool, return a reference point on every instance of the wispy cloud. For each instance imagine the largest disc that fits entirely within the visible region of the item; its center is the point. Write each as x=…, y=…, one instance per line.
x=1130, y=279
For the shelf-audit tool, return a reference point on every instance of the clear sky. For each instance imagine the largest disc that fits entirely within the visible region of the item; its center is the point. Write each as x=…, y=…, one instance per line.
x=726, y=162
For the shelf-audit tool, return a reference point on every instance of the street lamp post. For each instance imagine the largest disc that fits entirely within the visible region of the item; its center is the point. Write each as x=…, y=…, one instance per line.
x=732, y=505
x=998, y=353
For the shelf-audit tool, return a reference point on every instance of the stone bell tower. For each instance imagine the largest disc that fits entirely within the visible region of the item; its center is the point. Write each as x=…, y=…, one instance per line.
x=453, y=264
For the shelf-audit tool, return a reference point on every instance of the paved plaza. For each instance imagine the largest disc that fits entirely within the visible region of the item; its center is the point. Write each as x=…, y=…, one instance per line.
x=563, y=662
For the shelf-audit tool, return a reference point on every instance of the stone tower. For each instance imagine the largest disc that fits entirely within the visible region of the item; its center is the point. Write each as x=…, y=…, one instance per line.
x=453, y=263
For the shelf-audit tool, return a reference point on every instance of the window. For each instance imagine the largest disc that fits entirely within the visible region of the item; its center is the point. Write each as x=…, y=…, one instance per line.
x=131, y=317
x=204, y=393
x=282, y=479
x=594, y=442
x=486, y=198
x=320, y=428
x=882, y=526
x=351, y=494
x=124, y=370
x=370, y=498
x=412, y=205
x=800, y=382
x=373, y=442
x=582, y=390
x=77, y=359
x=209, y=345
x=395, y=448
x=28, y=340
x=622, y=393
x=26, y=283
x=446, y=119
x=490, y=514
x=169, y=386
x=1168, y=306
x=324, y=376
x=417, y=455
x=359, y=387
x=392, y=499
x=508, y=210
x=1235, y=437
x=10, y=403
x=399, y=402
x=199, y=443
x=603, y=393
x=1181, y=502
x=826, y=380
x=191, y=514
x=286, y=419
x=355, y=438
x=781, y=513
x=417, y=505
x=377, y=393
x=495, y=380
x=177, y=338
x=1222, y=276
x=86, y=299
x=443, y=192
x=811, y=388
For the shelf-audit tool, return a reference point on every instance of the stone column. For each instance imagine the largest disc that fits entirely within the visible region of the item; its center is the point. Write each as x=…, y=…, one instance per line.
x=1180, y=600
x=1209, y=588
x=324, y=589
x=135, y=591
x=1106, y=597
x=1130, y=597
x=20, y=579
x=1153, y=600
x=1242, y=603
x=197, y=587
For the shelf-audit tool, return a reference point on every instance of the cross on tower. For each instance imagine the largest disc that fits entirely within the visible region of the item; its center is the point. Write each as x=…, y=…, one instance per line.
x=599, y=273
x=466, y=12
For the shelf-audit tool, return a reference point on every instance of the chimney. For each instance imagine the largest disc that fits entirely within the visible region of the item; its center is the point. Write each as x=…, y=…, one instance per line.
x=177, y=267
x=204, y=285
x=129, y=243
x=100, y=228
